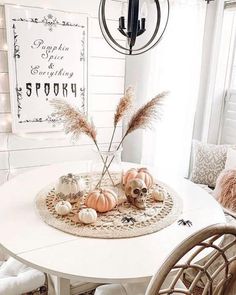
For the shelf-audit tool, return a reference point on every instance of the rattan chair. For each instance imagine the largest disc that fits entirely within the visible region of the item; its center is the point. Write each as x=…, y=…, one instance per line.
x=205, y=262
x=215, y=272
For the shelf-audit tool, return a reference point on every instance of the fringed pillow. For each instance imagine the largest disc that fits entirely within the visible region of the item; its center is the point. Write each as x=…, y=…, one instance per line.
x=225, y=190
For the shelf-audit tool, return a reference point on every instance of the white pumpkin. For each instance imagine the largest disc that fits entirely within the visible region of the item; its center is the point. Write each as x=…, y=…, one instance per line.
x=158, y=196
x=87, y=215
x=70, y=186
x=63, y=208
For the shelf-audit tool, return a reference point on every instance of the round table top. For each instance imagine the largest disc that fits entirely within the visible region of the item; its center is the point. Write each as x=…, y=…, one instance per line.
x=26, y=237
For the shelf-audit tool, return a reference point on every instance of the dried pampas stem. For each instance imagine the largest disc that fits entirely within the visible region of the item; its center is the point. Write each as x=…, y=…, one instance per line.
x=143, y=118
x=76, y=123
x=123, y=107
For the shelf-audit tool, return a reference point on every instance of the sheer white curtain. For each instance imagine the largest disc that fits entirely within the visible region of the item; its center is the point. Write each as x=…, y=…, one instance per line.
x=174, y=65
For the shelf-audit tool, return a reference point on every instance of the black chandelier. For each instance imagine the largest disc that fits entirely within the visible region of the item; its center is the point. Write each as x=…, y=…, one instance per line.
x=134, y=25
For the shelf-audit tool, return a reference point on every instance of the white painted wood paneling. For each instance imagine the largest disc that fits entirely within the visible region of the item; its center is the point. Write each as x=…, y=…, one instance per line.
x=103, y=102
x=4, y=160
x=106, y=71
x=106, y=67
x=38, y=157
x=3, y=176
x=99, y=48
x=2, y=20
x=5, y=122
x=9, y=141
x=82, y=6
x=4, y=83
x=112, y=25
x=110, y=85
x=3, y=40
x=103, y=119
x=5, y=103
x=3, y=62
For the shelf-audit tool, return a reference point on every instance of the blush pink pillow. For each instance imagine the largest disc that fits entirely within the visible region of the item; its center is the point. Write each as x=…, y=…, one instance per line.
x=225, y=190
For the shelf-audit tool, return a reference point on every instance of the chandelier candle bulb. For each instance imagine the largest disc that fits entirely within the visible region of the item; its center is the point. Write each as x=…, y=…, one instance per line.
x=144, y=10
x=123, y=9
x=143, y=24
x=122, y=22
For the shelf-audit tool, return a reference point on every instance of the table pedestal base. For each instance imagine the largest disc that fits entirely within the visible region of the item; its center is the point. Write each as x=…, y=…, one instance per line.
x=62, y=286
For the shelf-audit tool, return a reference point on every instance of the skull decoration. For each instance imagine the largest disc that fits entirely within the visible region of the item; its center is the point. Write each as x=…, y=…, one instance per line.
x=136, y=193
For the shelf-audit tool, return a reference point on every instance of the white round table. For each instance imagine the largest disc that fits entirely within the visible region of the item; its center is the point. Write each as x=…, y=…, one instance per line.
x=27, y=238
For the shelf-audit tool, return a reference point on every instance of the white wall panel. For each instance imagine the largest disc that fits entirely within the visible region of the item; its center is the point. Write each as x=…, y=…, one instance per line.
x=4, y=83
x=108, y=85
x=89, y=7
x=103, y=119
x=5, y=122
x=4, y=103
x=99, y=48
x=4, y=160
x=38, y=157
x=3, y=62
x=2, y=20
x=10, y=141
x=95, y=31
x=3, y=40
x=103, y=102
x=3, y=176
x=106, y=67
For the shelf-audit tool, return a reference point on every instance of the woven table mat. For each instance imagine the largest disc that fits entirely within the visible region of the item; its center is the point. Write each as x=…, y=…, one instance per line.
x=155, y=217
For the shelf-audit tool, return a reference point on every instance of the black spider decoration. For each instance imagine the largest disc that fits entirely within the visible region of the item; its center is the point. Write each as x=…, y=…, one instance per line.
x=127, y=219
x=185, y=222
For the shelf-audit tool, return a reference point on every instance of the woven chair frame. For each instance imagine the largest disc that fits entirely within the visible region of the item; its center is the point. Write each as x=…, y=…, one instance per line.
x=210, y=239
x=43, y=290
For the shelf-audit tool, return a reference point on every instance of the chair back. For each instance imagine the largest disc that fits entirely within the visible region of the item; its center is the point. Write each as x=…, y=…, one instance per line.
x=206, y=261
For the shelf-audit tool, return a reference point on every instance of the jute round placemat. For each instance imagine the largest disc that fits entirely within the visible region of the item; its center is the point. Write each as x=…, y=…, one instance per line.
x=124, y=221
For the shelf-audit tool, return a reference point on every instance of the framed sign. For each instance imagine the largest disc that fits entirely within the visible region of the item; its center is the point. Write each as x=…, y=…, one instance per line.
x=47, y=53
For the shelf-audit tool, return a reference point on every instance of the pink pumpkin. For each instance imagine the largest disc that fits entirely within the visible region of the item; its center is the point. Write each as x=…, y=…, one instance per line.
x=141, y=173
x=102, y=200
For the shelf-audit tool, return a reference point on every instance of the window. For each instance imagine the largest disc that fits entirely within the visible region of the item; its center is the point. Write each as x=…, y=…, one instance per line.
x=228, y=47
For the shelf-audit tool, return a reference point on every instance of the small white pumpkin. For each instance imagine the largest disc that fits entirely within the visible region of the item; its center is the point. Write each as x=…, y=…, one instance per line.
x=63, y=208
x=87, y=215
x=158, y=196
x=70, y=186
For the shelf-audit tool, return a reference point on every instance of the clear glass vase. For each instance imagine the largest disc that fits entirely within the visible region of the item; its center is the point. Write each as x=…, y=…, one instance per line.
x=106, y=169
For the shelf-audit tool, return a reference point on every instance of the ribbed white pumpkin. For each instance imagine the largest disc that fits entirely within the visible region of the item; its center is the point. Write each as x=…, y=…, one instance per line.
x=87, y=215
x=63, y=208
x=70, y=185
x=158, y=196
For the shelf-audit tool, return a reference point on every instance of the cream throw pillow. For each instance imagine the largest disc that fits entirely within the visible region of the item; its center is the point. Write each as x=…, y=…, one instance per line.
x=231, y=159
x=208, y=161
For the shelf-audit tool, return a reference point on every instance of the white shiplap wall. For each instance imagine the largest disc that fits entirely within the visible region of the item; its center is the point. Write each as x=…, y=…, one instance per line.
x=106, y=70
